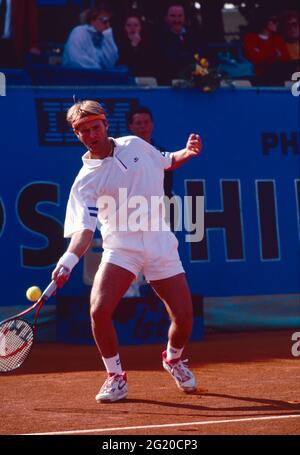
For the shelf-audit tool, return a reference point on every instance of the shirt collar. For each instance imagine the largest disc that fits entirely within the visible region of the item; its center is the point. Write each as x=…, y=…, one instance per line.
x=93, y=163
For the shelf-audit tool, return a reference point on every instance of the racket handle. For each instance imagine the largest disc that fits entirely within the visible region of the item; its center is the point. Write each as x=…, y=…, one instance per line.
x=51, y=288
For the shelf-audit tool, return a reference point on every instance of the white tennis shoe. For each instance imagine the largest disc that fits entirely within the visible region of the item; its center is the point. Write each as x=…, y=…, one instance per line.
x=115, y=388
x=178, y=369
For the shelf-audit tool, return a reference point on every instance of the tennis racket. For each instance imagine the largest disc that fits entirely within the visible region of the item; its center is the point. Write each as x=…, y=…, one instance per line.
x=17, y=335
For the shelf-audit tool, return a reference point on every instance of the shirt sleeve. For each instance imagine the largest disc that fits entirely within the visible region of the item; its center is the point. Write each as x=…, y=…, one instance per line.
x=163, y=159
x=82, y=210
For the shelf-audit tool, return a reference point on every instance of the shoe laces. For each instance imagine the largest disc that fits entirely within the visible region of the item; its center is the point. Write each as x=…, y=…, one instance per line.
x=181, y=369
x=108, y=384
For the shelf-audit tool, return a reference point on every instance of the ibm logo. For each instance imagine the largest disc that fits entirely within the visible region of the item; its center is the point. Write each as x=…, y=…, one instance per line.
x=54, y=130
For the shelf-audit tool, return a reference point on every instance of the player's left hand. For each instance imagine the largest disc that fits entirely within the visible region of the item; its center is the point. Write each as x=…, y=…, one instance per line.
x=194, y=144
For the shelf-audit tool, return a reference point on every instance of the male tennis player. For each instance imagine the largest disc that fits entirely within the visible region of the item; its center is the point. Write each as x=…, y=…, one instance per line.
x=136, y=167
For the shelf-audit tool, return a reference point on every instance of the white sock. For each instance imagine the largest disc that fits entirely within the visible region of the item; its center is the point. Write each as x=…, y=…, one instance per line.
x=113, y=364
x=173, y=353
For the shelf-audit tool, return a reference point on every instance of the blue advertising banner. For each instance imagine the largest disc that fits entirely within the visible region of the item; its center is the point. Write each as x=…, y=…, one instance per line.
x=246, y=268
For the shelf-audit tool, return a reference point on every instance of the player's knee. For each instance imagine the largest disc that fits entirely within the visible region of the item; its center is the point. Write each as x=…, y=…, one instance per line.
x=99, y=311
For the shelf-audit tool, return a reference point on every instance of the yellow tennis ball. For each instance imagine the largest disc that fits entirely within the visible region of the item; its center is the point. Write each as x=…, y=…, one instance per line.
x=33, y=293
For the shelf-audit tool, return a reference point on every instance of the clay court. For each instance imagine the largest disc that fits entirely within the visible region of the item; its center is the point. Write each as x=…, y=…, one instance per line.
x=249, y=384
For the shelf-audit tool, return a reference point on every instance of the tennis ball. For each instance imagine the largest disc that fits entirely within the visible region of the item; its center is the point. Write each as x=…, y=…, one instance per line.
x=33, y=293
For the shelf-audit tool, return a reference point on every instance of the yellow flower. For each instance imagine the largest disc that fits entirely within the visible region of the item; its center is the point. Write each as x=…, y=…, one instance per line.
x=204, y=63
x=200, y=71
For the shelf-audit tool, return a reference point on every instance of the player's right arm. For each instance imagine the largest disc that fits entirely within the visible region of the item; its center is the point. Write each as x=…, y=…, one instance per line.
x=79, y=244
x=80, y=224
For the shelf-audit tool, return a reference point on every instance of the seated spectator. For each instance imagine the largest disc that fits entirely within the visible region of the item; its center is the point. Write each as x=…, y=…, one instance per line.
x=18, y=31
x=290, y=30
x=136, y=49
x=266, y=49
x=178, y=43
x=92, y=45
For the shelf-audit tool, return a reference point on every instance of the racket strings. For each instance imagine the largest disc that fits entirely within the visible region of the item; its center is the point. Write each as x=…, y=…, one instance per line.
x=16, y=339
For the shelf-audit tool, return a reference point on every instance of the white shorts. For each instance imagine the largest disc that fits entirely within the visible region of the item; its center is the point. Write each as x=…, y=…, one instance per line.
x=154, y=254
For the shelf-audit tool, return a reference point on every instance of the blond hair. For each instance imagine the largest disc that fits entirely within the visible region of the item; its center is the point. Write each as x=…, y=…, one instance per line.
x=83, y=109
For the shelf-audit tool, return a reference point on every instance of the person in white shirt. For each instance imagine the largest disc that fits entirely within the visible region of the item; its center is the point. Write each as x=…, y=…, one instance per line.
x=116, y=176
x=91, y=45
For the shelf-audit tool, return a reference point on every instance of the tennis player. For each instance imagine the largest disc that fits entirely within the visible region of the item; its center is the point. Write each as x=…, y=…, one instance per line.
x=135, y=166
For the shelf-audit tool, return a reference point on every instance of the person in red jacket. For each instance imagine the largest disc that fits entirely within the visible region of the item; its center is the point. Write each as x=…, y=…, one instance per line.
x=266, y=49
x=18, y=31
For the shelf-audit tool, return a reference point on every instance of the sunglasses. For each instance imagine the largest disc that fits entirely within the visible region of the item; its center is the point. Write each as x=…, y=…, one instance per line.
x=104, y=20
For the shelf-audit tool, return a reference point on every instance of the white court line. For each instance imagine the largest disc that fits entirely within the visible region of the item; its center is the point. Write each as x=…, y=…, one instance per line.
x=167, y=425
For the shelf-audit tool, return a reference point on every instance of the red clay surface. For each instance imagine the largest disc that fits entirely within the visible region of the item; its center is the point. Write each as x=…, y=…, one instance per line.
x=241, y=376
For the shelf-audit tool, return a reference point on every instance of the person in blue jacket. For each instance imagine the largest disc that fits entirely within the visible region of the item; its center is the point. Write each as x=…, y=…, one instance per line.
x=92, y=45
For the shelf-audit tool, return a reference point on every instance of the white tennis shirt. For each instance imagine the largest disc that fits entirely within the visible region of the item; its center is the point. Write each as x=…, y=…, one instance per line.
x=118, y=192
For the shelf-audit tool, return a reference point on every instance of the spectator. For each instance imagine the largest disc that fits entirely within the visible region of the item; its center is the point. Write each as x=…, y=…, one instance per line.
x=291, y=33
x=136, y=49
x=18, y=31
x=266, y=50
x=178, y=43
x=92, y=45
x=140, y=123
